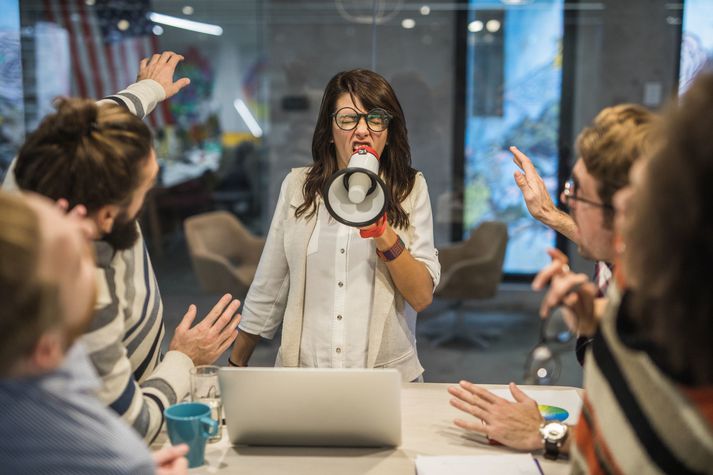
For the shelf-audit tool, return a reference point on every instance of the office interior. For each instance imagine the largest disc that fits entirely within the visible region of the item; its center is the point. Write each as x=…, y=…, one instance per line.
x=474, y=77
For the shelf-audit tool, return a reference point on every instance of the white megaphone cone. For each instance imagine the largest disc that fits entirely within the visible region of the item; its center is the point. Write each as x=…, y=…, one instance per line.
x=355, y=195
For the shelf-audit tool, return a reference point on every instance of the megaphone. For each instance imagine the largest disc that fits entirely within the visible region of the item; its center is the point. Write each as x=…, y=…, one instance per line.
x=355, y=195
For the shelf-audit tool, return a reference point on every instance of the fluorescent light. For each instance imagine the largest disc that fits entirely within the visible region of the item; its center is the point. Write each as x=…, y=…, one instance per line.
x=197, y=26
x=248, y=118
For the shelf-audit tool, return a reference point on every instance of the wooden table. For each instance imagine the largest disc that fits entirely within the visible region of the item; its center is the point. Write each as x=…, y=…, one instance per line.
x=427, y=430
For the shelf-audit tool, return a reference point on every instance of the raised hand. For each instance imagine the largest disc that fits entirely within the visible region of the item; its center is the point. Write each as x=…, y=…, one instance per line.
x=160, y=68
x=206, y=341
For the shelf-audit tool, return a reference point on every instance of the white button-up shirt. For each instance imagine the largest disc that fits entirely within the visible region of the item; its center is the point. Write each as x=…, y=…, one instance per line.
x=338, y=295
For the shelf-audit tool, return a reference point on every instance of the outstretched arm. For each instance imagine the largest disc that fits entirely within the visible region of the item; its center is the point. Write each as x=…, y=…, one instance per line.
x=154, y=83
x=538, y=200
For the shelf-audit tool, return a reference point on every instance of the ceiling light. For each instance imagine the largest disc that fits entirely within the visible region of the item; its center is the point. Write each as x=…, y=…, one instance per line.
x=187, y=10
x=157, y=30
x=123, y=25
x=425, y=10
x=475, y=26
x=248, y=118
x=408, y=23
x=176, y=22
x=492, y=25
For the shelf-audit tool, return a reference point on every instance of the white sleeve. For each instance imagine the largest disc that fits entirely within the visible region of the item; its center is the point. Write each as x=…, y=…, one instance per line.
x=422, y=246
x=140, y=98
x=265, y=303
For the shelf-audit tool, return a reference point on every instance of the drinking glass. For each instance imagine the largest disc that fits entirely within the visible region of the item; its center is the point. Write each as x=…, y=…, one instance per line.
x=206, y=389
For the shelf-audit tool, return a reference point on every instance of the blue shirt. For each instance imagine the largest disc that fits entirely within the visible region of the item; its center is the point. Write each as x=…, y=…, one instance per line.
x=54, y=424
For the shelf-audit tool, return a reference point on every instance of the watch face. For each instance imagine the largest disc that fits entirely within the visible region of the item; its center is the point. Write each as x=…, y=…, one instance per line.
x=554, y=431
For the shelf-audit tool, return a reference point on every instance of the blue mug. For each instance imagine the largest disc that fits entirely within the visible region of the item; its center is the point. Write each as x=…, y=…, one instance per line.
x=190, y=423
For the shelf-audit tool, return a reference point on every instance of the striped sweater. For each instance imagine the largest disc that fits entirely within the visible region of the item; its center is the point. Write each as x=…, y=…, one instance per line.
x=124, y=340
x=636, y=419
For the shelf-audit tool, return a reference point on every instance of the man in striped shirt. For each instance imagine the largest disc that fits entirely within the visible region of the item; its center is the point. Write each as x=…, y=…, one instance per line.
x=51, y=420
x=100, y=155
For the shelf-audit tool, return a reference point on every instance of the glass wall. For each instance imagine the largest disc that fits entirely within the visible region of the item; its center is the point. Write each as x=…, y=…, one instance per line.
x=12, y=120
x=513, y=84
x=258, y=70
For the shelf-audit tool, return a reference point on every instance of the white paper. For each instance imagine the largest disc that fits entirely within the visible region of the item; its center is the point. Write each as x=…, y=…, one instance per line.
x=567, y=399
x=502, y=464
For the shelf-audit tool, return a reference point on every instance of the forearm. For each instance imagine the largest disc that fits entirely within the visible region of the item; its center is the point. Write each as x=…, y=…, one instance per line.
x=410, y=276
x=243, y=348
x=139, y=98
x=562, y=223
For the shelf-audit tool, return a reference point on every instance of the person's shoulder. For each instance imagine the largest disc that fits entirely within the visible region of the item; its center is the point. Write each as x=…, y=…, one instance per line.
x=298, y=173
x=419, y=182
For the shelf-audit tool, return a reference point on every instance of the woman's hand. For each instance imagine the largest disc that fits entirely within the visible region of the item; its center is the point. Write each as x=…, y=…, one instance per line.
x=514, y=424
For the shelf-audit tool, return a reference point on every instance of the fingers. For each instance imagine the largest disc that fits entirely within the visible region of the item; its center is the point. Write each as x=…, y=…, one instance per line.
x=470, y=409
x=559, y=289
x=216, y=311
x=482, y=393
x=226, y=316
x=518, y=394
x=174, y=59
x=227, y=342
x=557, y=255
x=557, y=266
x=517, y=156
x=169, y=454
x=155, y=58
x=520, y=180
x=166, y=56
x=143, y=63
x=188, y=318
x=180, y=84
x=522, y=161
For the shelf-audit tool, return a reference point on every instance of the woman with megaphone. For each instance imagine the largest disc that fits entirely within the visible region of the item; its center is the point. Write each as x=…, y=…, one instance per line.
x=349, y=259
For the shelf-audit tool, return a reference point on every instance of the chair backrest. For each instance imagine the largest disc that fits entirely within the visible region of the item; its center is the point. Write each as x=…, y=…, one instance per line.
x=473, y=268
x=223, y=252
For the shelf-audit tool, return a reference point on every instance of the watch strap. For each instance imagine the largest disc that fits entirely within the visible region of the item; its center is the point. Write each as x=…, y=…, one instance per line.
x=393, y=252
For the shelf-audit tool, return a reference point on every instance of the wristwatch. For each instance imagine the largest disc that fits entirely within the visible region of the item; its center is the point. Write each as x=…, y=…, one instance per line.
x=554, y=435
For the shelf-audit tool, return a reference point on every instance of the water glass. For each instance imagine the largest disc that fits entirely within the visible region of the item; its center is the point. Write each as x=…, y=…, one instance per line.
x=206, y=389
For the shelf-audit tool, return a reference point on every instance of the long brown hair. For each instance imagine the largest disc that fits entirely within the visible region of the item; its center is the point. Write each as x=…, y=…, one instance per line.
x=395, y=162
x=85, y=153
x=669, y=238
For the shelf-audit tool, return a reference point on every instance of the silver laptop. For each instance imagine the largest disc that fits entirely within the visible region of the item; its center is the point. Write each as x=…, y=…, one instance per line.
x=315, y=407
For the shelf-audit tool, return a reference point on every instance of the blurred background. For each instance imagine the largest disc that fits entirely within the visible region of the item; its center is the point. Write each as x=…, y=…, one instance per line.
x=473, y=77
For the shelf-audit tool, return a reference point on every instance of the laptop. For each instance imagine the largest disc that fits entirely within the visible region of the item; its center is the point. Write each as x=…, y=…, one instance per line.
x=312, y=407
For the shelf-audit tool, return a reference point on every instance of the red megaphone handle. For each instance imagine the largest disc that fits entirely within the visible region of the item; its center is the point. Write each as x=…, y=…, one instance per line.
x=376, y=230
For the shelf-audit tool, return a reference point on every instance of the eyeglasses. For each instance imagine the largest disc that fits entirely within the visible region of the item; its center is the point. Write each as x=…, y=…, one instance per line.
x=377, y=120
x=543, y=364
x=569, y=194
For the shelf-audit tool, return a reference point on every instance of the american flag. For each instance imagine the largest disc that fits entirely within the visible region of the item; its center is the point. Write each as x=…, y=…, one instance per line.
x=107, y=39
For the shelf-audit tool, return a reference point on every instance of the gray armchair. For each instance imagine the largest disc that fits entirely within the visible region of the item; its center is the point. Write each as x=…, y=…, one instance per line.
x=471, y=269
x=224, y=253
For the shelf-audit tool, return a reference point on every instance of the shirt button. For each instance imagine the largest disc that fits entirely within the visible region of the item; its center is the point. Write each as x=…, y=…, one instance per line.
x=340, y=284
x=339, y=317
x=341, y=250
x=339, y=350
